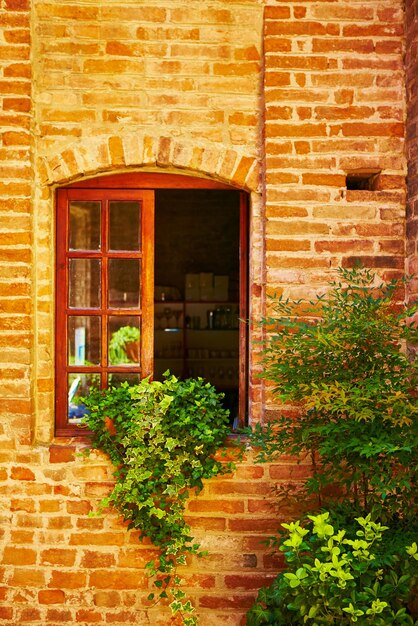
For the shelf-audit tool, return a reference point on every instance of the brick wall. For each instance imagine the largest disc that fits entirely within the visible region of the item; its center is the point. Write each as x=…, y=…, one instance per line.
x=16, y=176
x=334, y=94
x=335, y=104
x=313, y=92
x=411, y=66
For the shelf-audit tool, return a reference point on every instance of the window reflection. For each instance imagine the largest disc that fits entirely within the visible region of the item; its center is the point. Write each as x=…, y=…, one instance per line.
x=84, y=283
x=124, y=226
x=124, y=283
x=84, y=225
x=84, y=334
x=124, y=336
x=79, y=385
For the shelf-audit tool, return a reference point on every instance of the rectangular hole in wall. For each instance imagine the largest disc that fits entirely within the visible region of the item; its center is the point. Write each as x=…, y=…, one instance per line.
x=362, y=180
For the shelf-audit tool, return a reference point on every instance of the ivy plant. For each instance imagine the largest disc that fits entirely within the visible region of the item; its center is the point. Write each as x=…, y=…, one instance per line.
x=162, y=438
x=343, y=361
x=337, y=577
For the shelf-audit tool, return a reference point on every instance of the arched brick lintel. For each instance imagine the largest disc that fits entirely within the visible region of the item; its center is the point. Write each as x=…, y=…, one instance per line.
x=113, y=153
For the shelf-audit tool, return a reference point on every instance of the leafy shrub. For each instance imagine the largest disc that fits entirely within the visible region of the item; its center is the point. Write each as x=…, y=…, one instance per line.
x=161, y=437
x=345, y=361
x=342, y=361
x=334, y=577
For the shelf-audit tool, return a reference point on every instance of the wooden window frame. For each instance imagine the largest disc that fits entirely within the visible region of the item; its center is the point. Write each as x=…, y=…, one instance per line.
x=131, y=186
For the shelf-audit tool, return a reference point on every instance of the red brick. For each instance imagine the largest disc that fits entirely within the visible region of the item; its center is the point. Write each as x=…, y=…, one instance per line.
x=107, y=579
x=277, y=13
x=17, y=104
x=137, y=557
x=79, y=507
x=122, y=617
x=27, y=578
x=6, y=613
x=207, y=523
x=222, y=488
x=97, y=539
x=51, y=596
x=221, y=602
x=70, y=12
x=235, y=69
x=22, y=536
x=58, y=522
x=23, y=505
x=59, y=615
x=21, y=70
x=216, y=506
x=66, y=579
x=58, y=556
x=61, y=454
x=382, y=129
x=302, y=28
x=332, y=180
x=249, y=472
x=247, y=581
x=22, y=473
x=17, y=5
x=49, y=506
x=31, y=614
x=20, y=35
x=293, y=471
x=373, y=30
x=297, y=130
x=91, y=560
x=253, y=525
x=19, y=556
x=359, y=46
x=108, y=599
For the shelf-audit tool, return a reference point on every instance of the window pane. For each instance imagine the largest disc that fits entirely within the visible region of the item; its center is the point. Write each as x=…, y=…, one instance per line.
x=124, y=335
x=84, y=340
x=115, y=380
x=84, y=283
x=124, y=283
x=79, y=386
x=124, y=225
x=84, y=225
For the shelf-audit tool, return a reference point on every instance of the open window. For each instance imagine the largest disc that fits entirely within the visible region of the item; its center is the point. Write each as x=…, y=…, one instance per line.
x=151, y=276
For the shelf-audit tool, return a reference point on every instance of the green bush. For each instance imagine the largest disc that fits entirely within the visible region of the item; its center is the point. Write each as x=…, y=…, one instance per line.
x=334, y=577
x=344, y=364
x=162, y=438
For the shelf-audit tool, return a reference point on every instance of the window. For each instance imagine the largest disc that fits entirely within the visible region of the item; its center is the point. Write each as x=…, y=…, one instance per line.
x=113, y=321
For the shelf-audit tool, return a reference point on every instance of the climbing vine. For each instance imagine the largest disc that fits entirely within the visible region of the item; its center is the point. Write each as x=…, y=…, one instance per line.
x=161, y=437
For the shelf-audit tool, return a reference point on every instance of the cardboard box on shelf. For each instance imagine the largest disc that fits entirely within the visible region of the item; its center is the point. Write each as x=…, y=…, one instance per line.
x=191, y=287
x=206, y=285
x=220, y=290
x=192, y=280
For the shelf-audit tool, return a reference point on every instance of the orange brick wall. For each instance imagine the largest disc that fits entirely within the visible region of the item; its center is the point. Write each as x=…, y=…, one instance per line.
x=411, y=66
x=334, y=104
x=334, y=92
x=16, y=186
x=281, y=99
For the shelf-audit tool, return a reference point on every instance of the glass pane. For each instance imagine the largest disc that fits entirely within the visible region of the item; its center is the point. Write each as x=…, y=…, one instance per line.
x=124, y=225
x=124, y=340
x=115, y=380
x=124, y=283
x=84, y=225
x=84, y=340
x=78, y=387
x=84, y=283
